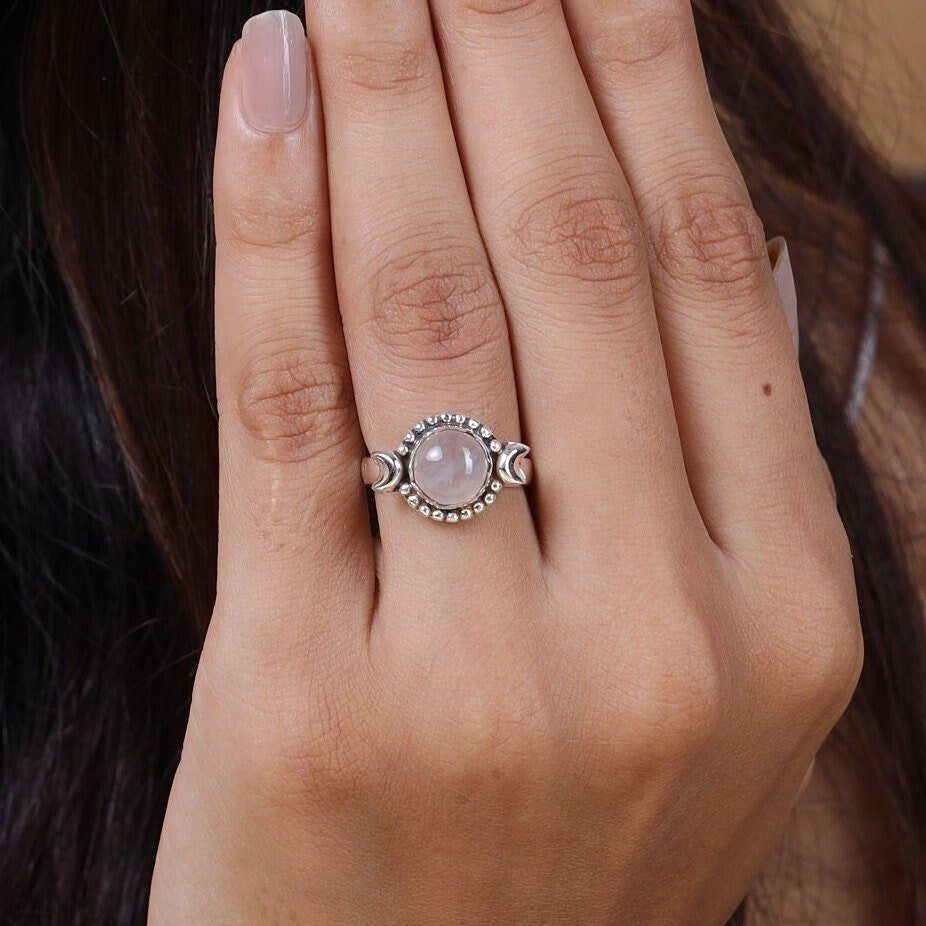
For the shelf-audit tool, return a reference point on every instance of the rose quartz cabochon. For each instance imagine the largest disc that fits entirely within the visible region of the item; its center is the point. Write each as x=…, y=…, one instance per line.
x=451, y=467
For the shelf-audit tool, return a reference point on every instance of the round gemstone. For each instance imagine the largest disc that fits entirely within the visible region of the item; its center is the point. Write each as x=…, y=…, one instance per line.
x=451, y=467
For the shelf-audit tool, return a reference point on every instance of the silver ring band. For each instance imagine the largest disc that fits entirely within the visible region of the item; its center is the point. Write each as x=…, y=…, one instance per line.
x=449, y=467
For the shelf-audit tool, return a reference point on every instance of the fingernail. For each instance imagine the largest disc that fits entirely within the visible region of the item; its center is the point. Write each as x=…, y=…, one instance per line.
x=275, y=69
x=784, y=280
x=807, y=776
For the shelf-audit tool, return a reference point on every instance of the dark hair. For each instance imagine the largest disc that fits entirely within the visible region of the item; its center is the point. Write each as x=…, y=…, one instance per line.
x=108, y=462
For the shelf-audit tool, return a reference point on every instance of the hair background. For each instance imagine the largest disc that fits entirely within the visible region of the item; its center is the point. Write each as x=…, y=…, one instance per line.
x=108, y=456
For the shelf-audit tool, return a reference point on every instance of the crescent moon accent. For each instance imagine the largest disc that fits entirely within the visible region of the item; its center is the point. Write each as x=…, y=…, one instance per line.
x=390, y=471
x=512, y=469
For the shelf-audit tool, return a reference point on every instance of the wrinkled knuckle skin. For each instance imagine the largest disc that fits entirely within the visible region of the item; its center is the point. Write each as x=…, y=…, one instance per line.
x=586, y=237
x=505, y=12
x=712, y=238
x=437, y=307
x=273, y=218
x=645, y=35
x=391, y=65
x=292, y=403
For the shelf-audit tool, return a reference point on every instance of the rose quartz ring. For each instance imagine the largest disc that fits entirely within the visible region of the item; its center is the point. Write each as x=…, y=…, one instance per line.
x=448, y=467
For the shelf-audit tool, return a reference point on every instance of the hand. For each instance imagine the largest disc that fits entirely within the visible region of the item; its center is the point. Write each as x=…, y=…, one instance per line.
x=595, y=702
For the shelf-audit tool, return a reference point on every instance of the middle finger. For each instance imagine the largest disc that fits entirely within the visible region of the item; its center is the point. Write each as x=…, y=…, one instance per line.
x=423, y=321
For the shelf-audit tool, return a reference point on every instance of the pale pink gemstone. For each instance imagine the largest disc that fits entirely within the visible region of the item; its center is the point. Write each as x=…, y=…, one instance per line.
x=451, y=467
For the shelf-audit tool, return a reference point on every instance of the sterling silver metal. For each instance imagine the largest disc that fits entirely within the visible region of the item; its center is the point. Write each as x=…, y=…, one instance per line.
x=393, y=471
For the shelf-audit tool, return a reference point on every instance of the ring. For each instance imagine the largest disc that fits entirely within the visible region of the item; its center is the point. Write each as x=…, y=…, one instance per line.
x=448, y=467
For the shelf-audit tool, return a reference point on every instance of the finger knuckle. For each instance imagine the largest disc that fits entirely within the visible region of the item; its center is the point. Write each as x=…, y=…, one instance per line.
x=817, y=527
x=836, y=651
x=582, y=234
x=320, y=757
x=437, y=306
x=817, y=674
x=687, y=710
x=267, y=198
x=498, y=741
x=269, y=219
x=710, y=236
x=818, y=660
x=292, y=403
x=506, y=12
x=838, y=667
x=644, y=35
x=393, y=65
x=327, y=757
x=679, y=700
x=299, y=735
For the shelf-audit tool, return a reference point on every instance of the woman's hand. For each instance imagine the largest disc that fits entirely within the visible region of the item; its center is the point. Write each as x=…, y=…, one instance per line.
x=595, y=702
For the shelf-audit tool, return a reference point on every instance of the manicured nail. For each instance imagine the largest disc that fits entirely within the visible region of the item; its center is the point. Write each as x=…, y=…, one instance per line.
x=275, y=67
x=784, y=280
x=807, y=776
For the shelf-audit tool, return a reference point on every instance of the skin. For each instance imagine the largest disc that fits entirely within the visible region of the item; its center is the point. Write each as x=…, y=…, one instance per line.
x=598, y=701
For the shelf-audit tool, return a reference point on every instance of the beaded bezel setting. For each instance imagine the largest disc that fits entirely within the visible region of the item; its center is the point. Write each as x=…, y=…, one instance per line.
x=502, y=459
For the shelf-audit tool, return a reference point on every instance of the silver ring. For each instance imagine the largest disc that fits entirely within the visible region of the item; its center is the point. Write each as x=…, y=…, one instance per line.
x=449, y=467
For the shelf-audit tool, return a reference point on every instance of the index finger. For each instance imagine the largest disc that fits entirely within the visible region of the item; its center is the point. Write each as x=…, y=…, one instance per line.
x=294, y=532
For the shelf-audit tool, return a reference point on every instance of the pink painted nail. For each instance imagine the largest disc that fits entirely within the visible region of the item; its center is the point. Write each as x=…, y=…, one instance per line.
x=275, y=71
x=784, y=280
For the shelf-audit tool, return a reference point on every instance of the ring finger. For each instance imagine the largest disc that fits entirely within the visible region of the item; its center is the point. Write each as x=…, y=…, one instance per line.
x=424, y=325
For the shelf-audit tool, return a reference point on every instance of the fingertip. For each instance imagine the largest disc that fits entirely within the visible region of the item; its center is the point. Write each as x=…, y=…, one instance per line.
x=229, y=91
x=269, y=173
